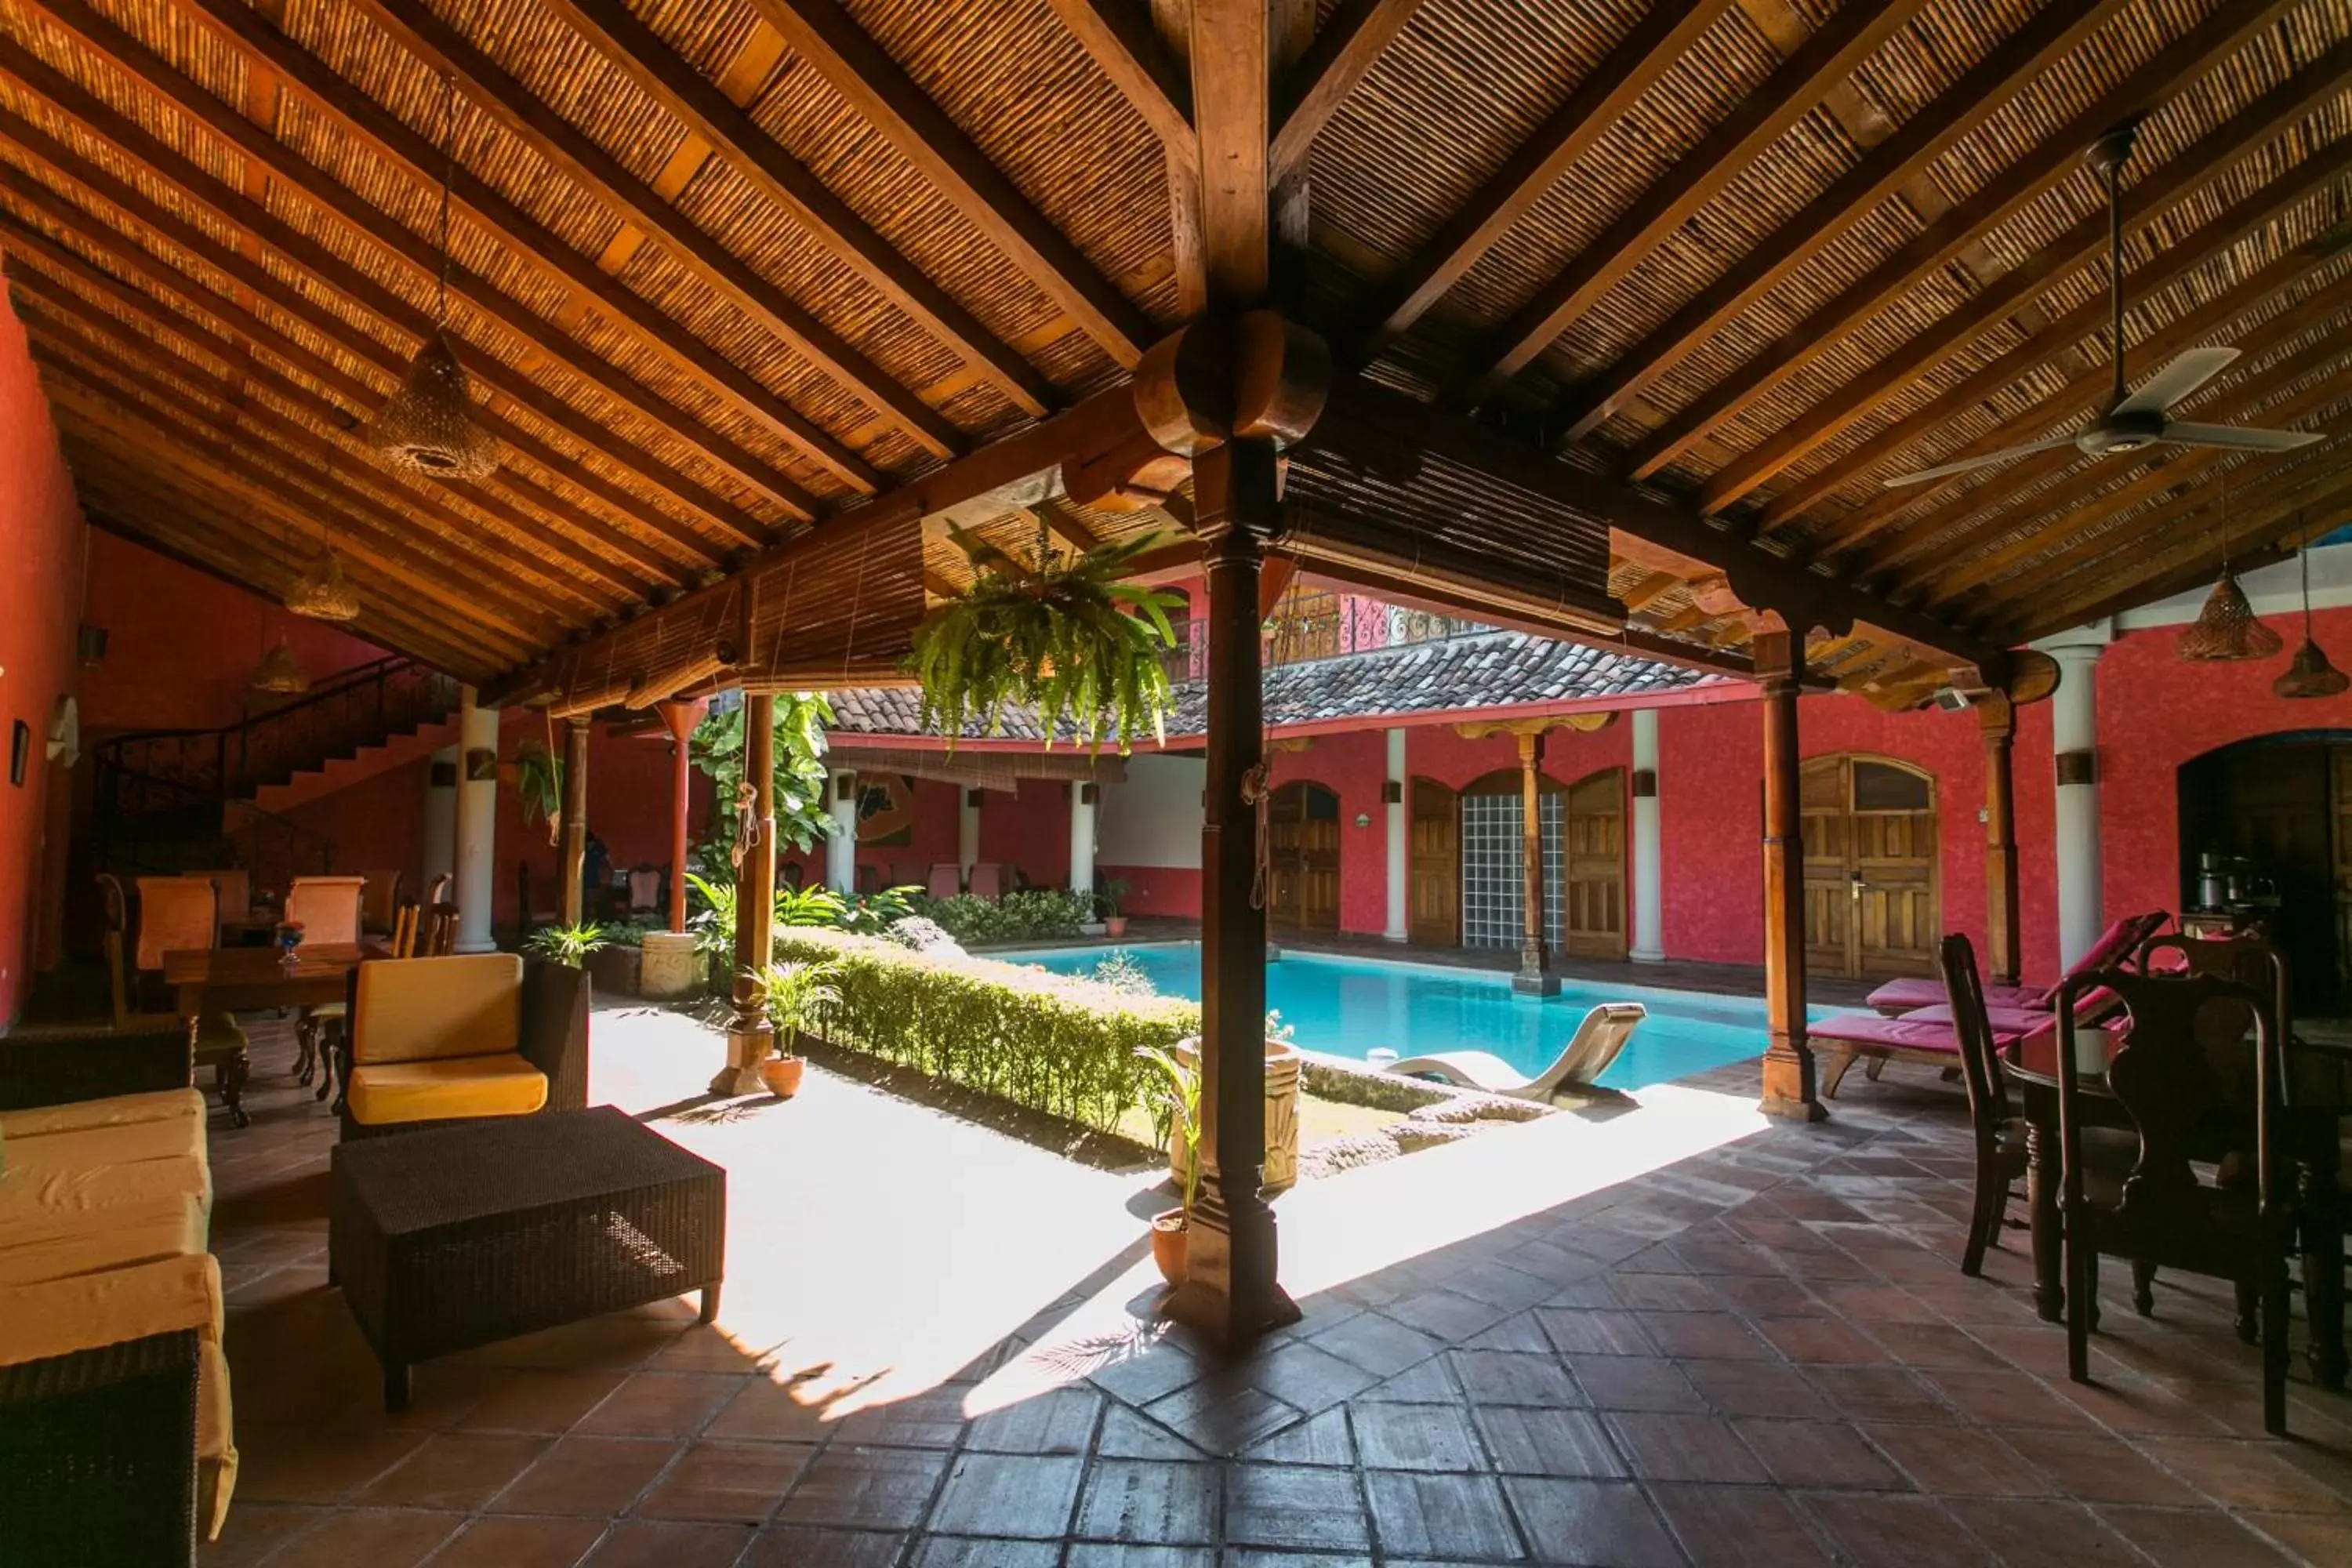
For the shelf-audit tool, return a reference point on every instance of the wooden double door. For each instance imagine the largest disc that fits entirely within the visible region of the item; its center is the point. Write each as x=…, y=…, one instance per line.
x=1583, y=834
x=1303, y=842
x=2282, y=811
x=1872, y=898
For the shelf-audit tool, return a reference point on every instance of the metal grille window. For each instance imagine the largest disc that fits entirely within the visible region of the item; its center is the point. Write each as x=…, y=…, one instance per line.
x=1491, y=881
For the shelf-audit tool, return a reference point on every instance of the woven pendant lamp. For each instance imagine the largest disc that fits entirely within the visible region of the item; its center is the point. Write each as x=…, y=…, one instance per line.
x=322, y=593
x=2225, y=630
x=2309, y=674
x=279, y=674
x=428, y=426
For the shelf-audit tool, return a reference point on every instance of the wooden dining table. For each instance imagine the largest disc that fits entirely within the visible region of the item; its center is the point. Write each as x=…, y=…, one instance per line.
x=242, y=979
x=2311, y=1129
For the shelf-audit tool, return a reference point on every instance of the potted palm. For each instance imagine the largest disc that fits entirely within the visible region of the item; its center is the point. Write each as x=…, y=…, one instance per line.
x=793, y=995
x=1107, y=902
x=1177, y=1107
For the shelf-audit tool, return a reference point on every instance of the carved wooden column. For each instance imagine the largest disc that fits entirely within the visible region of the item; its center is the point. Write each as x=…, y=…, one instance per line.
x=680, y=718
x=1231, y=1292
x=748, y=1033
x=1997, y=719
x=576, y=818
x=1789, y=1081
x=1534, y=977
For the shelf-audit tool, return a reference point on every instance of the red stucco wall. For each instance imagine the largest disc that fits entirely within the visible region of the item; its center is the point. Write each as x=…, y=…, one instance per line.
x=41, y=545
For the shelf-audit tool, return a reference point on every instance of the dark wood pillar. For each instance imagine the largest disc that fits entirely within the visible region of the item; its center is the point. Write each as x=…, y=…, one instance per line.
x=748, y=1033
x=1534, y=977
x=1231, y=1293
x=1997, y=719
x=1790, y=1087
x=576, y=819
x=680, y=718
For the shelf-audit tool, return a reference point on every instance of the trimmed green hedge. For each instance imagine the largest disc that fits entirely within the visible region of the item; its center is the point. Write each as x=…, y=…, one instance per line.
x=1052, y=1042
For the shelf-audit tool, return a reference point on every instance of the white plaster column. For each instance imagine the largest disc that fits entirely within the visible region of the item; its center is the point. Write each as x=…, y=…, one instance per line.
x=1648, y=874
x=968, y=832
x=1082, y=835
x=841, y=847
x=2074, y=740
x=1400, y=845
x=440, y=857
x=477, y=822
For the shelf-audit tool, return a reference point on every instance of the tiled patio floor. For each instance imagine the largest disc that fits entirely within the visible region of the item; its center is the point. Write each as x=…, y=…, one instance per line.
x=1761, y=1353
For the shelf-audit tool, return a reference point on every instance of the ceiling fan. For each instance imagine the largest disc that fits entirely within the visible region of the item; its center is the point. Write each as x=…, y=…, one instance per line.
x=2133, y=420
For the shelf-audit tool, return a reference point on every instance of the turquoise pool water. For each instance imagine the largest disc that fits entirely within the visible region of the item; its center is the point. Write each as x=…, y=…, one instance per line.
x=1349, y=1006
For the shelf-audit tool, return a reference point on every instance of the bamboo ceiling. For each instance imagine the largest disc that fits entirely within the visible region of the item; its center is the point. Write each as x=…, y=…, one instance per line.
x=726, y=268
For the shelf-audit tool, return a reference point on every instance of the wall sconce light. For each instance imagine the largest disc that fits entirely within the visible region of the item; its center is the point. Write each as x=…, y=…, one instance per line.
x=1363, y=819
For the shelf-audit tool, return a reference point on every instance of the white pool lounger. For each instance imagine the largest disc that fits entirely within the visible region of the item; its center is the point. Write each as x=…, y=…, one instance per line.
x=1594, y=1045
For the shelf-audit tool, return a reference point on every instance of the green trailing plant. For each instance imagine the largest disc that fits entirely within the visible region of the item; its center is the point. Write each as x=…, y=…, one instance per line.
x=1033, y=914
x=795, y=996
x=1064, y=634
x=713, y=924
x=871, y=914
x=1055, y=1043
x=716, y=748
x=1176, y=1111
x=816, y=905
x=568, y=945
x=539, y=785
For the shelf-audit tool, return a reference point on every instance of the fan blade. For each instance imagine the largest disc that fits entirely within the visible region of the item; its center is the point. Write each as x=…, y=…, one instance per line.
x=1983, y=461
x=2182, y=434
x=2185, y=373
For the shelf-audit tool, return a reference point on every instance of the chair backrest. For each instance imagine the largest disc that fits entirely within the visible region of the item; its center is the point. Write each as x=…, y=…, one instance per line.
x=326, y=908
x=380, y=900
x=175, y=912
x=118, y=903
x=437, y=891
x=947, y=879
x=1956, y=959
x=422, y=1009
x=235, y=885
x=440, y=939
x=1599, y=1039
x=2118, y=947
x=646, y=888
x=2186, y=1068
x=987, y=880
x=404, y=930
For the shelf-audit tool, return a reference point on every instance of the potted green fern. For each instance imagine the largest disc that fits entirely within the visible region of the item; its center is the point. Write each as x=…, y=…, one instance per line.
x=539, y=787
x=1064, y=634
x=1176, y=1106
x=793, y=995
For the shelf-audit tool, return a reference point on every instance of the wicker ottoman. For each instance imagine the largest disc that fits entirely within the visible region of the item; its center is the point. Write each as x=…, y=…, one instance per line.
x=459, y=1237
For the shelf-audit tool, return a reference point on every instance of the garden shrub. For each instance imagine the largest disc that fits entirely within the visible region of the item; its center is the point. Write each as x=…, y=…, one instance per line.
x=1053, y=1042
x=1033, y=914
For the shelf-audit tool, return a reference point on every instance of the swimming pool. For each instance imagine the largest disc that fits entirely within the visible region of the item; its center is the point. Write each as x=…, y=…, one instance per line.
x=1349, y=1006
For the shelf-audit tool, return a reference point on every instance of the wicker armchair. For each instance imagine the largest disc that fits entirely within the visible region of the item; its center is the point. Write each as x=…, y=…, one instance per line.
x=449, y=1054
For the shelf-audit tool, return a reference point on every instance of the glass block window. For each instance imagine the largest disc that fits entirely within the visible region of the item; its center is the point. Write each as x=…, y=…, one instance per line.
x=1491, y=882
x=1551, y=818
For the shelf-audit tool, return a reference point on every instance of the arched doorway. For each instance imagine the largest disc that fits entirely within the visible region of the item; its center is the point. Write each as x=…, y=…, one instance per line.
x=1593, y=868
x=1433, y=882
x=1303, y=834
x=2270, y=821
x=1582, y=827
x=1873, y=903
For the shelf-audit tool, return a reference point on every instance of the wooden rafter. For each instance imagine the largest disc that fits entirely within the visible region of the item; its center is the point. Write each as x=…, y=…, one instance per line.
x=1826, y=59
x=1342, y=53
x=1232, y=50
x=1645, y=54
x=1118, y=37
x=2207, y=160
x=920, y=132
x=2056, y=30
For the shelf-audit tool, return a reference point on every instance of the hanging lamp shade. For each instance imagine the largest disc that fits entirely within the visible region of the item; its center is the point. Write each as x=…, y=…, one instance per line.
x=322, y=593
x=2225, y=629
x=428, y=426
x=279, y=674
x=2310, y=675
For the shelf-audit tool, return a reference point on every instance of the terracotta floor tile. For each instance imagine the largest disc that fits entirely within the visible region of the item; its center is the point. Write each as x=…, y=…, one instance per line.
x=2024, y=1533
x=726, y=1483
x=1430, y=1382
x=254, y=1529
x=1818, y=1454
x=1956, y=1461
x=858, y=1487
x=1221, y=1420
x=1878, y=1394
x=293, y=1465
x=1322, y=1439
x=1579, y=1331
x=1288, y=1505
x=1419, y=1515
x=1565, y=1442
x=1380, y=1345
x=2243, y=1475
x=459, y=1470
x=1308, y=1377
x=767, y=1410
x=649, y=1543
x=1756, y=1388
x=595, y=1476
x=804, y=1546
x=933, y=1419
x=1634, y=1383
x=1114, y=1555
x=1879, y=1529
x=2186, y=1537
x=2006, y=1399
x=1139, y=1501
x=1665, y=1292
x=379, y=1540
x=534, y=1399
x=1925, y=1345
x=1737, y=1527
x=661, y=1405
x=1511, y=1377
x=2319, y=1539
x=505, y=1543
x=2093, y=1466
x=1415, y=1438
x=1007, y=1495
x=1590, y=1521
x=1059, y=1421
x=1664, y=1447
x=1820, y=1342
x=1713, y=1336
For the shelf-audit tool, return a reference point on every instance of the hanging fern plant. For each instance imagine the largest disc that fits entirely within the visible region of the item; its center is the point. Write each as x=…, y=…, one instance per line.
x=539, y=785
x=1067, y=636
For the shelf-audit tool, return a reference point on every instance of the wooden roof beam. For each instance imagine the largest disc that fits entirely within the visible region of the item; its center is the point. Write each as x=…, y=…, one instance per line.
x=1341, y=56
x=2049, y=34
x=832, y=45
x=241, y=213
x=357, y=214
x=1762, y=118
x=1662, y=34
x=581, y=160
x=1233, y=45
x=1120, y=38
x=2207, y=159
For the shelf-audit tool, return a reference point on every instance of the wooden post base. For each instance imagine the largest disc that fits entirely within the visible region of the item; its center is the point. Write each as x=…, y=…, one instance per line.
x=1790, y=1087
x=1229, y=1293
x=1536, y=983
x=746, y=1048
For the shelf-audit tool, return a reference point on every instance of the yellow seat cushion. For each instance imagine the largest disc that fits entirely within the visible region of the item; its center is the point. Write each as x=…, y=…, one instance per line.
x=39, y=1248
x=426, y=1009
x=31, y=1193
x=61, y=1316
x=388, y=1092
x=88, y=1148
x=116, y=1111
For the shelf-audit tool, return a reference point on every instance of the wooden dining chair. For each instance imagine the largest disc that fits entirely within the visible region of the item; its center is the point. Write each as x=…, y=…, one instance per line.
x=328, y=911
x=2194, y=1087
x=440, y=938
x=380, y=901
x=404, y=930
x=235, y=885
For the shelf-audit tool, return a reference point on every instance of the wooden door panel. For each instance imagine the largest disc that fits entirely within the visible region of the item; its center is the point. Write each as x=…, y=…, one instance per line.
x=1873, y=903
x=1593, y=897
x=1435, y=883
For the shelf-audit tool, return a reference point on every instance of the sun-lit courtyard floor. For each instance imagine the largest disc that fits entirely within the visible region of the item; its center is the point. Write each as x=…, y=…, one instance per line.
x=1675, y=1333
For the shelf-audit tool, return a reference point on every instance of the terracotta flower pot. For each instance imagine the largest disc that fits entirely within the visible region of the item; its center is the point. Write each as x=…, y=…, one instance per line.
x=782, y=1076
x=1170, y=1244
x=1114, y=926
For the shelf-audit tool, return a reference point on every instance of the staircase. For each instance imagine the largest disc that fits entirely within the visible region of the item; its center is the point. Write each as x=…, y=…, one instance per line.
x=177, y=800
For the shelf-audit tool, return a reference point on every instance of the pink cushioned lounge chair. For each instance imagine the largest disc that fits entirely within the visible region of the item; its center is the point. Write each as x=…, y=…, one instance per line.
x=2115, y=948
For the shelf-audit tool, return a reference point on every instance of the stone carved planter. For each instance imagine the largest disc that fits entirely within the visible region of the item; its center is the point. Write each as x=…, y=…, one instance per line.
x=670, y=969
x=1281, y=1116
